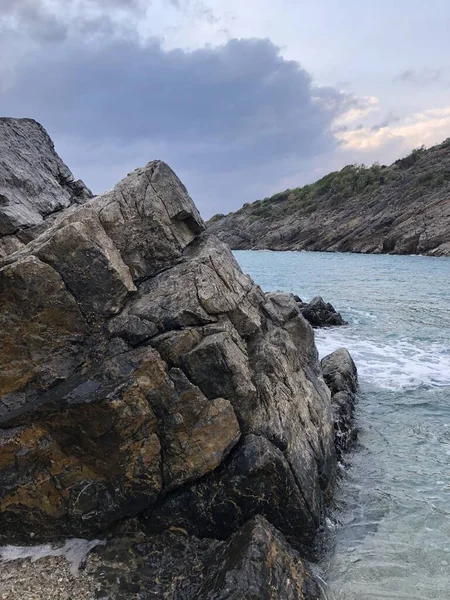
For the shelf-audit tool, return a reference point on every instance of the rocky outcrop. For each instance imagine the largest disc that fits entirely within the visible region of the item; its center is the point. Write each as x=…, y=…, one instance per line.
x=400, y=209
x=34, y=183
x=320, y=313
x=142, y=374
x=256, y=562
x=340, y=374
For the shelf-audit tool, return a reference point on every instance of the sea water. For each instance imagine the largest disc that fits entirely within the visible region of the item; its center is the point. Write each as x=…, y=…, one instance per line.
x=389, y=531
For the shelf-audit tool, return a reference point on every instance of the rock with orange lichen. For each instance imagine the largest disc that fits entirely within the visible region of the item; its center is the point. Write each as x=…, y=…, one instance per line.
x=142, y=374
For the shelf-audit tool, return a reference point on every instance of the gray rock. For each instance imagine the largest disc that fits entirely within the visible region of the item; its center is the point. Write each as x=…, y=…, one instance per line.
x=150, y=218
x=320, y=313
x=339, y=372
x=142, y=373
x=340, y=375
x=34, y=182
x=219, y=504
x=131, y=328
x=258, y=563
x=255, y=563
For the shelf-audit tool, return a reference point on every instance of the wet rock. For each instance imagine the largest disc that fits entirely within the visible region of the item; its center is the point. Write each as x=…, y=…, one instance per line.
x=255, y=563
x=320, y=313
x=258, y=563
x=340, y=375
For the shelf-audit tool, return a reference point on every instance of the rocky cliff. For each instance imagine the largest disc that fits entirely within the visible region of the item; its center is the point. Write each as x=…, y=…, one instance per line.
x=143, y=375
x=35, y=184
x=401, y=209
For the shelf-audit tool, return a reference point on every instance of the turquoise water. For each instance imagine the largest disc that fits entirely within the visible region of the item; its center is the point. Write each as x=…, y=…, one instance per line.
x=390, y=530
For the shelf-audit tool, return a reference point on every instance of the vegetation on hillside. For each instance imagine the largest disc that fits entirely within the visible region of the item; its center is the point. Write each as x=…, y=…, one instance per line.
x=353, y=181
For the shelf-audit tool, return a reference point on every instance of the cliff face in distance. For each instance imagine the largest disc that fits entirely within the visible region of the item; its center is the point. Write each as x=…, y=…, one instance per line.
x=400, y=209
x=147, y=383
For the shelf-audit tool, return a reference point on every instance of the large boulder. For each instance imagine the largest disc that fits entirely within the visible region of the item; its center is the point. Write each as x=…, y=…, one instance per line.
x=255, y=563
x=135, y=353
x=142, y=373
x=320, y=313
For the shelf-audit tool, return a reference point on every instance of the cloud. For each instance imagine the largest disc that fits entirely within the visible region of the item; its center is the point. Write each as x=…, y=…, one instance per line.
x=421, y=77
x=361, y=108
x=428, y=127
x=232, y=118
x=195, y=8
x=51, y=22
x=388, y=120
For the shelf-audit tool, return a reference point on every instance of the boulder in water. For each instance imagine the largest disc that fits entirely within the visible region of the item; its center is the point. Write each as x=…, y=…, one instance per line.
x=320, y=313
x=340, y=374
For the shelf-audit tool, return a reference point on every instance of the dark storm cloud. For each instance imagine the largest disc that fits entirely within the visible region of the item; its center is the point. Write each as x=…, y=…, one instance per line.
x=51, y=22
x=31, y=17
x=230, y=113
x=237, y=104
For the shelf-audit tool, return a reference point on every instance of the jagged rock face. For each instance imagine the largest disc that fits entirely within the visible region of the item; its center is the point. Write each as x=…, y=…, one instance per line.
x=138, y=365
x=34, y=183
x=256, y=563
x=341, y=376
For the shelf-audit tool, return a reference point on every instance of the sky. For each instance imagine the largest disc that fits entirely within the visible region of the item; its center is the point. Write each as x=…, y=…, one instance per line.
x=242, y=98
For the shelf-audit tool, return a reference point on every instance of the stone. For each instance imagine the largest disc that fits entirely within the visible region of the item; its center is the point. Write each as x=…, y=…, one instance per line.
x=255, y=563
x=258, y=563
x=321, y=314
x=196, y=434
x=87, y=456
x=150, y=219
x=132, y=329
x=34, y=182
x=339, y=372
x=340, y=375
x=219, y=366
x=147, y=382
x=90, y=265
x=41, y=330
x=284, y=308
x=257, y=480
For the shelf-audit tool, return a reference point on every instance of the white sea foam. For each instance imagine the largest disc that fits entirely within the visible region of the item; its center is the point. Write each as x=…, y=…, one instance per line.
x=393, y=365
x=74, y=550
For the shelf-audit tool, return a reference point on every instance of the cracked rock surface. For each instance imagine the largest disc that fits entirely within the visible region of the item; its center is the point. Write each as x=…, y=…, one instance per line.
x=142, y=374
x=34, y=183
